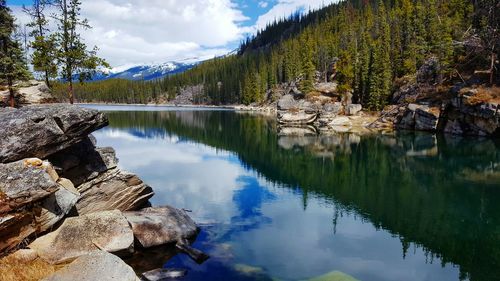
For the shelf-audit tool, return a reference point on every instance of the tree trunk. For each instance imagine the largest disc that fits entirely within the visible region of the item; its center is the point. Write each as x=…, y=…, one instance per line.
x=47, y=79
x=12, y=101
x=70, y=92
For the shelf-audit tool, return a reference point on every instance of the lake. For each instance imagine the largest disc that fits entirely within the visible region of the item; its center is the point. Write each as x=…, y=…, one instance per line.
x=398, y=206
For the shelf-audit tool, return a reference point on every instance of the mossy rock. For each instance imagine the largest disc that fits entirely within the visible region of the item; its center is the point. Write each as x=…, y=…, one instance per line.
x=334, y=276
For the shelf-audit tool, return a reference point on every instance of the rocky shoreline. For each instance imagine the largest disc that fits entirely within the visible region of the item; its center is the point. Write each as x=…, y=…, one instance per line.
x=65, y=201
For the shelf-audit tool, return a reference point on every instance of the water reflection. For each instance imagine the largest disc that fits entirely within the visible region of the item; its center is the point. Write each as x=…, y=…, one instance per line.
x=379, y=207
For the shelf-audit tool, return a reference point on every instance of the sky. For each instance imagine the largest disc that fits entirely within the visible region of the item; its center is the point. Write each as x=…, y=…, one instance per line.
x=134, y=32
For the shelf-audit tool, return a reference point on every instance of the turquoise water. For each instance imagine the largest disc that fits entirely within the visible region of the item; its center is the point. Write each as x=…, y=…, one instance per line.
x=378, y=207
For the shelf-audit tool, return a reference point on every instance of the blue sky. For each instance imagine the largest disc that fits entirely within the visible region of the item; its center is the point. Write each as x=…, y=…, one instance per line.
x=133, y=32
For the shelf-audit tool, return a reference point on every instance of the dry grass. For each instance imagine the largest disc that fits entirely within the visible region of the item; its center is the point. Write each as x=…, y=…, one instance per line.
x=482, y=95
x=12, y=269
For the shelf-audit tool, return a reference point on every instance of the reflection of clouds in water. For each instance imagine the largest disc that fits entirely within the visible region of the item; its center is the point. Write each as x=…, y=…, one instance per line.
x=183, y=174
x=260, y=224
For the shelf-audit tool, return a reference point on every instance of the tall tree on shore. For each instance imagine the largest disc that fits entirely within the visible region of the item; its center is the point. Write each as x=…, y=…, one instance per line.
x=12, y=61
x=73, y=56
x=44, y=44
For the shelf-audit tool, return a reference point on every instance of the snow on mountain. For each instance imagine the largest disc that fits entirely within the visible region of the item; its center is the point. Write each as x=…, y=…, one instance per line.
x=144, y=72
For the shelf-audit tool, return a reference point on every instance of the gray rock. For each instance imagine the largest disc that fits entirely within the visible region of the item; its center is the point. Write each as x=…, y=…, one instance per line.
x=287, y=102
x=159, y=226
x=24, y=182
x=96, y=265
x=334, y=108
x=353, y=109
x=341, y=121
x=327, y=88
x=113, y=190
x=54, y=208
x=429, y=71
x=78, y=236
x=427, y=119
x=42, y=130
x=299, y=118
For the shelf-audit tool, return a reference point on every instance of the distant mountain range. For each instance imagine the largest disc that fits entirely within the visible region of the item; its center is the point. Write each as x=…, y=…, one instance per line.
x=145, y=72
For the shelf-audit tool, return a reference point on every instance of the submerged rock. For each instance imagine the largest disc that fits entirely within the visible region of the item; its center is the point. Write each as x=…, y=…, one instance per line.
x=334, y=276
x=159, y=226
x=42, y=130
x=78, y=236
x=96, y=265
x=161, y=274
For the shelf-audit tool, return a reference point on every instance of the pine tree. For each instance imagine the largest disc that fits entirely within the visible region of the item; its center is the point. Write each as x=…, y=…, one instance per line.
x=73, y=55
x=44, y=44
x=308, y=67
x=12, y=60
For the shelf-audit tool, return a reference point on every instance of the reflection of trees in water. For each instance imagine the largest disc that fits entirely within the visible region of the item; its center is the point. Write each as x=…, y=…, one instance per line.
x=437, y=192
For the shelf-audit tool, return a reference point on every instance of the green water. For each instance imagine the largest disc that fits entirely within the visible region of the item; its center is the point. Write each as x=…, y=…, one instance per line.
x=379, y=207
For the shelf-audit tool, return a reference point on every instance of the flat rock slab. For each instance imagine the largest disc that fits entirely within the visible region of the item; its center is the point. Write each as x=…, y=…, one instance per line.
x=41, y=130
x=159, y=226
x=78, y=236
x=97, y=265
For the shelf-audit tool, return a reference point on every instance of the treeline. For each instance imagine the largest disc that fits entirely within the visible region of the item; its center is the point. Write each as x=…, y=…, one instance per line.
x=372, y=42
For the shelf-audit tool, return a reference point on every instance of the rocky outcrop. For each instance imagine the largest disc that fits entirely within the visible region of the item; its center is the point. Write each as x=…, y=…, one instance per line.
x=96, y=265
x=78, y=236
x=24, y=182
x=39, y=131
x=31, y=202
x=159, y=226
x=420, y=118
x=28, y=93
x=102, y=186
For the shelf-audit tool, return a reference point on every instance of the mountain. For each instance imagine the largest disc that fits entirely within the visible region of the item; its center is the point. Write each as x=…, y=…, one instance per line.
x=145, y=72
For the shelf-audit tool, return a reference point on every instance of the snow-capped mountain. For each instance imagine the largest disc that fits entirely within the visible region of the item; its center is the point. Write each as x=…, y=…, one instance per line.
x=144, y=72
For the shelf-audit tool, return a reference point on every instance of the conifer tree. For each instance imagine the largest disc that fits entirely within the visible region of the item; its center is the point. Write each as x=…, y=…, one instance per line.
x=73, y=56
x=44, y=44
x=12, y=60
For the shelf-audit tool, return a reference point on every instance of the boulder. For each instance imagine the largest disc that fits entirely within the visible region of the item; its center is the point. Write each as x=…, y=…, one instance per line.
x=41, y=130
x=96, y=265
x=327, y=88
x=35, y=92
x=159, y=226
x=341, y=121
x=427, y=119
x=429, y=71
x=353, y=109
x=113, y=190
x=54, y=208
x=419, y=117
x=287, y=102
x=24, y=182
x=334, y=108
x=14, y=229
x=297, y=118
x=78, y=236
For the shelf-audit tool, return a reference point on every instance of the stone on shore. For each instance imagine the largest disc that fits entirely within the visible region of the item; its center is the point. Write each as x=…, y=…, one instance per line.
x=41, y=130
x=78, y=236
x=113, y=190
x=96, y=265
x=54, y=208
x=353, y=109
x=300, y=118
x=24, y=182
x=159, y=226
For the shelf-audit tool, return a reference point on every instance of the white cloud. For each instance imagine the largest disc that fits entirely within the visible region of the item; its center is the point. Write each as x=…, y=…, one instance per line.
x=145, y=31
x=263, y=4
x=132, y=32
x=285, y=8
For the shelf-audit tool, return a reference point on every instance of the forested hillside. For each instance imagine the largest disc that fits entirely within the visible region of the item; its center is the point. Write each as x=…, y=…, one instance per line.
x=364, y=45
